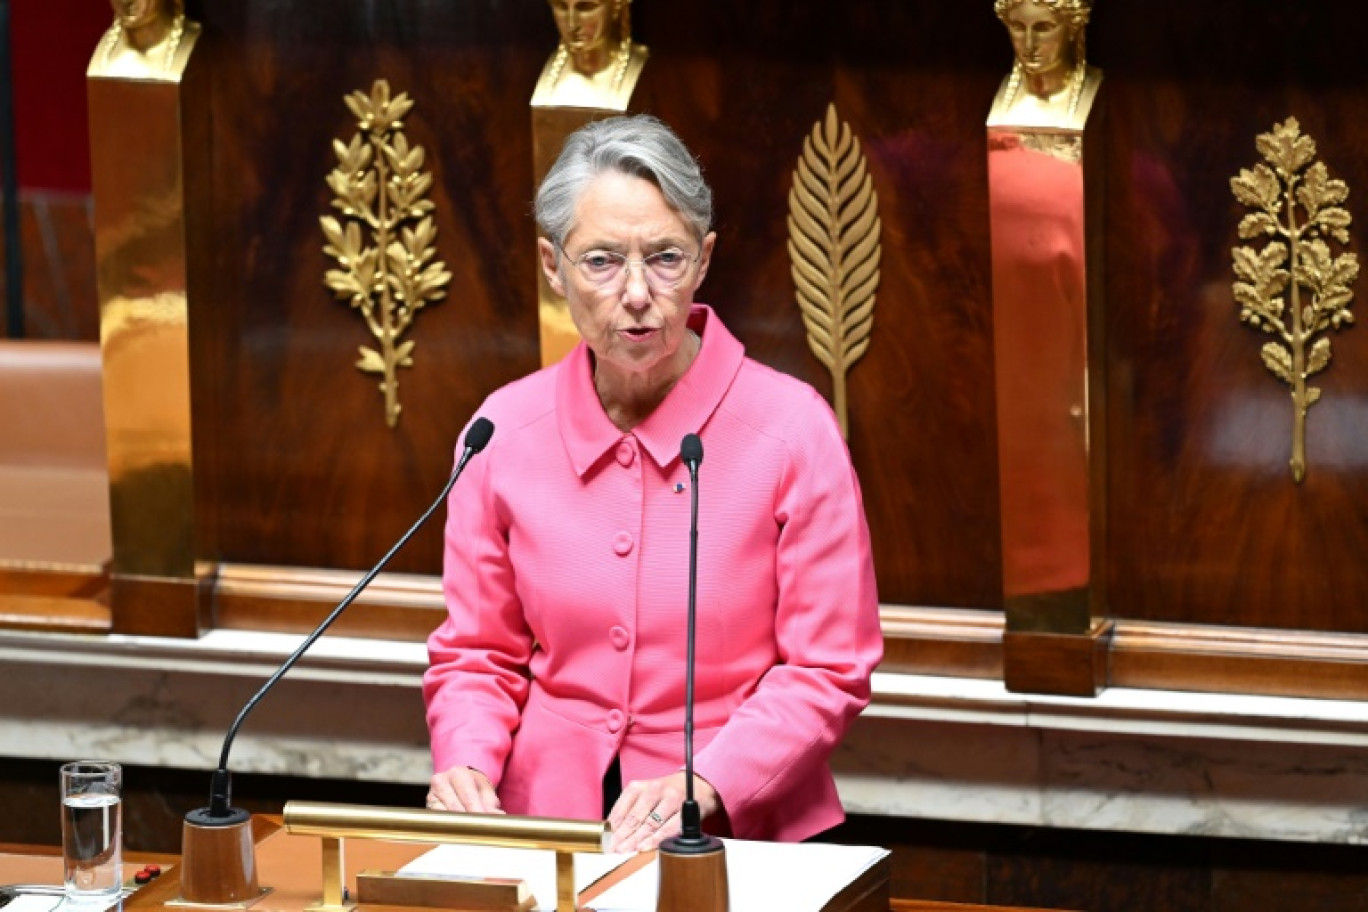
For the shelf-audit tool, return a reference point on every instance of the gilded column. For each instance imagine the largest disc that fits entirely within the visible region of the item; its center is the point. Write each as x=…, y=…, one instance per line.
x=590, y=76
x=1049, y=353
x=145, y=129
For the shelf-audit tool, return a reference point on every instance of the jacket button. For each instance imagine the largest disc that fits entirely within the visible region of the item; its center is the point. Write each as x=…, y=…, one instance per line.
x=622, y=544
x=626, y=454
x=619, y=638
x=615, y=720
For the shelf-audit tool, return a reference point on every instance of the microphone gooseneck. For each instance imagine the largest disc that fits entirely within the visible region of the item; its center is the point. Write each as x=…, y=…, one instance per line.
x=221, y=789
x=690, y=815
x=693, y=865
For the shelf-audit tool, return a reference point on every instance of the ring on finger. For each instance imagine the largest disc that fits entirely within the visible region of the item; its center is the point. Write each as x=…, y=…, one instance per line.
x=656, y=818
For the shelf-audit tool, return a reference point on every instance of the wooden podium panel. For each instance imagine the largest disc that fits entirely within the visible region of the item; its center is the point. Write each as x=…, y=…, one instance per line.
x=291, y=866
x=922, y=905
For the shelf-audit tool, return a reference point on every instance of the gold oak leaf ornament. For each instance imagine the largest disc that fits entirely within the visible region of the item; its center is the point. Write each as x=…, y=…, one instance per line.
x=380, y=186
x=834, y=245
x=1294, y=288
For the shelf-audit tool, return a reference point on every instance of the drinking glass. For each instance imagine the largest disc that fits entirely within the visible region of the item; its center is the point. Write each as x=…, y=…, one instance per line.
x=92, y=830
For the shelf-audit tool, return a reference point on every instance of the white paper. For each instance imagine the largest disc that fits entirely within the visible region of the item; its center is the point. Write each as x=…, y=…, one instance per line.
x=762, y=876
x=34, y=902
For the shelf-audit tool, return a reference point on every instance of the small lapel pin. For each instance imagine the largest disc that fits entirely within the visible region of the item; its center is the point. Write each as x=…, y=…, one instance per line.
x=680, y=487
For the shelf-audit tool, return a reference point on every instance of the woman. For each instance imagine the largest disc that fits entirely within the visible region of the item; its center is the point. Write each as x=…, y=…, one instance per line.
x=1051, y=83
x=560, y=667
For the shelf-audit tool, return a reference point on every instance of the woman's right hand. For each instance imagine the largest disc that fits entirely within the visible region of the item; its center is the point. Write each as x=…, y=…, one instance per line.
x=463, y=788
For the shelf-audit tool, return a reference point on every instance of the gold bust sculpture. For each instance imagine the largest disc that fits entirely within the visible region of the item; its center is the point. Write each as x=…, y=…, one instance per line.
x=1051, y=84
x=597, y=64
x=149, y=39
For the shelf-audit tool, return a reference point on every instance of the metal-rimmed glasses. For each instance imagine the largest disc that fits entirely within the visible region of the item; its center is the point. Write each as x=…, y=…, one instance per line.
x=664, y=270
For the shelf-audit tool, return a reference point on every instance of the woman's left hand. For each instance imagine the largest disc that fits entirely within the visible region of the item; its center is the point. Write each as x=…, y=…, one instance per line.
x=647, y=813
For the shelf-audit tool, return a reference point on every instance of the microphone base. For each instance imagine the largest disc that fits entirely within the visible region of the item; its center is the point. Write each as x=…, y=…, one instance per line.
x=218, y=859
x=693, y=875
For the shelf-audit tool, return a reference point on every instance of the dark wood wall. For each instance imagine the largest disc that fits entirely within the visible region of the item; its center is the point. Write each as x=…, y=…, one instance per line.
x=310, y=476
x=1206, y=524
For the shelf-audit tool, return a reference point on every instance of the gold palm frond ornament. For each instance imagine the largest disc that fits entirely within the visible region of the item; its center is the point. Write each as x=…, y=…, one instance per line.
x=1294, y=288
x=834, y=228
x=380, y=184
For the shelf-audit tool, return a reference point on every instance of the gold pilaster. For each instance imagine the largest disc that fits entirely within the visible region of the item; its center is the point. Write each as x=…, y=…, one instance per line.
x=1049, y=353
x=146, y=129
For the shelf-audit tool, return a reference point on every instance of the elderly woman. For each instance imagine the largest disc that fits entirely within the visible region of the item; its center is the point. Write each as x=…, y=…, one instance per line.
x=559, y=671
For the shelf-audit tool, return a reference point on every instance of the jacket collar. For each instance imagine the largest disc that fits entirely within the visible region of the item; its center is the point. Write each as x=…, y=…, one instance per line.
x=588, y=433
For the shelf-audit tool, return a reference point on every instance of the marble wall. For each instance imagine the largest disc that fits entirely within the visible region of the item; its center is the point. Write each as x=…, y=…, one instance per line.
x=933, y=748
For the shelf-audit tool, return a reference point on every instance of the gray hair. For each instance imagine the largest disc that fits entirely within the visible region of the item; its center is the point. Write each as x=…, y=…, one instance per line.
x=639, y=146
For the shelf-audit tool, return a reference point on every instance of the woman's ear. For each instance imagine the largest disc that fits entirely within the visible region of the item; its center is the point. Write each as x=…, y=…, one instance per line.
x=705, y=256
x=550, y=264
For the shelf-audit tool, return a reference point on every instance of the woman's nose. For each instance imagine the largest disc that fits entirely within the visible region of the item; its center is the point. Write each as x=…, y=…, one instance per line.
x=636, y=290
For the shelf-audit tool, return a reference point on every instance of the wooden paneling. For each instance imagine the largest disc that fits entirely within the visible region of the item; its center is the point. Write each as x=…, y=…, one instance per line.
x=1207, y=525
x=304, y=471
x=58, y=247
x=54, y=599
x=295, y=466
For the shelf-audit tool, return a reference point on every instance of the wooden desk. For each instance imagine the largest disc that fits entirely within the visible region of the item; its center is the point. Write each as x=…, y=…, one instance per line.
x=291, y=866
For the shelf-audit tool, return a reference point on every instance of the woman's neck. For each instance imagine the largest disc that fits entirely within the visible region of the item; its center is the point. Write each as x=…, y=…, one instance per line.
x=629, y=398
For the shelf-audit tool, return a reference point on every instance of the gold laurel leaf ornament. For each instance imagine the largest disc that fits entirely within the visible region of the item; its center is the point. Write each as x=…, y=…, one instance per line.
x=390, y=273
x=834, y=246
x=1293, y=288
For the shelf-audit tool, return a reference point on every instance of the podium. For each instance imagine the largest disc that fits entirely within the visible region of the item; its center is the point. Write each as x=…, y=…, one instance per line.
x=291, y=865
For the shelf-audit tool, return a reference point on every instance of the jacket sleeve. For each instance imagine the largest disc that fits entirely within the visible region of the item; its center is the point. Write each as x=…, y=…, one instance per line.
x=477, y=680
x=827, y=634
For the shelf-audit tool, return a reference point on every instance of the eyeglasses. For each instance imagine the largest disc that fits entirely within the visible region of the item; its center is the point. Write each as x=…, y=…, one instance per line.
x=663, y=270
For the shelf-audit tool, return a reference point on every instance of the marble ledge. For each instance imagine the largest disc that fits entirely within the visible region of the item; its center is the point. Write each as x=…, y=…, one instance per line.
x=926, y=747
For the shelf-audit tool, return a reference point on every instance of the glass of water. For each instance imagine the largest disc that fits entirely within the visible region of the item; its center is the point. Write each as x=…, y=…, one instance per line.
x=92, y=830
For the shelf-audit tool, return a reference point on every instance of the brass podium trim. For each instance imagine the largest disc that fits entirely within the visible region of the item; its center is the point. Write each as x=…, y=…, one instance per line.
x=336, y=822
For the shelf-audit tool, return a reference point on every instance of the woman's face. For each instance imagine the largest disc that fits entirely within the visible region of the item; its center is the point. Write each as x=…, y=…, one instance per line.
x=1040, y=37
x=584, y=24
x=134, y=14
x=632, y=327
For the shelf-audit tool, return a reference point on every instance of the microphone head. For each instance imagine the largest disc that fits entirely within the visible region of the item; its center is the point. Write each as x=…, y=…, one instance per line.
x=477, y=438
x=691, y=449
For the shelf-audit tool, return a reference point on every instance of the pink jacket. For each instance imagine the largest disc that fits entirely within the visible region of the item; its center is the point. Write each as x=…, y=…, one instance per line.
x=566, y=577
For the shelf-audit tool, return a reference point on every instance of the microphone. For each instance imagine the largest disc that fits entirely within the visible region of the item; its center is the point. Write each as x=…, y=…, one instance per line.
x=206, y=831
x=691, y=818
x=693, y=865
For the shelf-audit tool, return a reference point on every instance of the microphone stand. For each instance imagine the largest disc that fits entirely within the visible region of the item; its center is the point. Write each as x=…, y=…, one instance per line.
x=693, y=865
x=218, y=864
